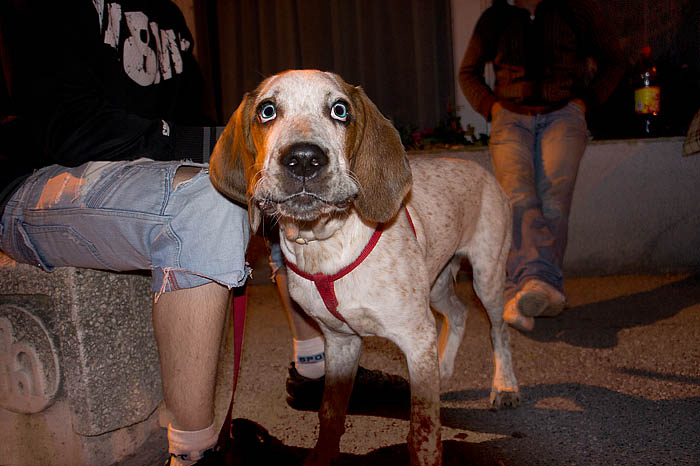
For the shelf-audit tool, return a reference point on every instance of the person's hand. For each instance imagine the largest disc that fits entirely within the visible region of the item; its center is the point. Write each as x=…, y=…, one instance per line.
x=495, y=108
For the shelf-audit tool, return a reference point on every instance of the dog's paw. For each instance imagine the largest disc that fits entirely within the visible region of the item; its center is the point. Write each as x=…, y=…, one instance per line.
x=505, y=399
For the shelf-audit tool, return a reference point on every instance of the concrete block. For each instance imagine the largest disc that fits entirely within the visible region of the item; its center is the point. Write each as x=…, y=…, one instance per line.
x=79, y=368
x=636, y=209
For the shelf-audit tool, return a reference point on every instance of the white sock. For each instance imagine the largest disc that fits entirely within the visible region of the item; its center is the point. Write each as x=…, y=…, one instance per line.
x=188, y=446
x=309, y=357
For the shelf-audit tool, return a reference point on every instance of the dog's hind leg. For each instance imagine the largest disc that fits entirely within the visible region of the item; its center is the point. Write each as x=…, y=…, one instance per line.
x=444, y=300
x=488, y=286
x=342, y=360
x=488, y=255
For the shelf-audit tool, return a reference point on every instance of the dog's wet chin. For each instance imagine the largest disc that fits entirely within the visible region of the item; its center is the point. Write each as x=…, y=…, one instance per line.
x=303, y=207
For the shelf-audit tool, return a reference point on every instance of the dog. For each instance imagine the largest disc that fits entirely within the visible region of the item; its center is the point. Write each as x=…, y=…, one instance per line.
x=371, y=240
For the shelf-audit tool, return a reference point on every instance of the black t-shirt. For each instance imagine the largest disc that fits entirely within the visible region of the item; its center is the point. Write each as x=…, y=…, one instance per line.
x=102, y=80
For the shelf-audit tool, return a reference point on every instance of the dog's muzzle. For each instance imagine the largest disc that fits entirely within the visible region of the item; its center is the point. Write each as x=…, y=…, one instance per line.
x=305, y=186
x=304, y=160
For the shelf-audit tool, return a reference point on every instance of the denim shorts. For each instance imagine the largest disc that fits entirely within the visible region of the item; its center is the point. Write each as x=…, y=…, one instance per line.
x=123, y=216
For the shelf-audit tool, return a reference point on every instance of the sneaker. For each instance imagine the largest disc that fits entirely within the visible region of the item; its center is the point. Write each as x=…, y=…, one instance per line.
x=373, y=392
x=538, y=298
x=250, y=445
x=211, y=457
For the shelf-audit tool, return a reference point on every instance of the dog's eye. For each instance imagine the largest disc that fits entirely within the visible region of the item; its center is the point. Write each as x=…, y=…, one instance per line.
x=339, y=111
x=267, y=112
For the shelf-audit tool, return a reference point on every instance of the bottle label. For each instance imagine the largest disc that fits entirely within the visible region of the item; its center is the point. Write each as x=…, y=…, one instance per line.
x=647, y=100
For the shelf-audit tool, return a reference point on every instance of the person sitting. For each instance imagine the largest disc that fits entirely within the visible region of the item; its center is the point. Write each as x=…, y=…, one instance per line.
x=112, y=94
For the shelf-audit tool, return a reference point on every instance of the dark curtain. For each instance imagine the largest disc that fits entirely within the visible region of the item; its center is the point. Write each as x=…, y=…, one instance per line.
x=399, y=51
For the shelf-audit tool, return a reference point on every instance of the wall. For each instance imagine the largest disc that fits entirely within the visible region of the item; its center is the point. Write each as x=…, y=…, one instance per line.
x=636, y=208
x=465, y=13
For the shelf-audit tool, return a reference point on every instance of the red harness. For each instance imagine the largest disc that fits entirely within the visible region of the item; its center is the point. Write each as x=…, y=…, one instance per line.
x=324, y=283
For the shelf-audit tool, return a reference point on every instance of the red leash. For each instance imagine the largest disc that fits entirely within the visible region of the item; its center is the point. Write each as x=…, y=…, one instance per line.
x=238, y=311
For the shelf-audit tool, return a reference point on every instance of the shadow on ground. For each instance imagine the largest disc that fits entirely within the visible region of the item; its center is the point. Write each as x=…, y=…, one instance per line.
x=577, y=422
x=575, y=325
x=255, y=447
x=557, y=424
x=573, y=424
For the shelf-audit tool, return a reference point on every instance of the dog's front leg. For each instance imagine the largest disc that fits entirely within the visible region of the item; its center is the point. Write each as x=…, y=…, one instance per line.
x=419, y=345
x=342, y=359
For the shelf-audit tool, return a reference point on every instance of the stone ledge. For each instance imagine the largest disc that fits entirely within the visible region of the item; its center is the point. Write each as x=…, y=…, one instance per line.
x=79, y=342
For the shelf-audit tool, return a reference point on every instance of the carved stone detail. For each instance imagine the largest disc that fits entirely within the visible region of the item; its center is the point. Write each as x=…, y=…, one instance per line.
x=29, y=365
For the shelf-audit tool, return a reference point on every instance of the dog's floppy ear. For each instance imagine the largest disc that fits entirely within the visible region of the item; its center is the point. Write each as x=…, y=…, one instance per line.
x=379, y=161
x=233, y=159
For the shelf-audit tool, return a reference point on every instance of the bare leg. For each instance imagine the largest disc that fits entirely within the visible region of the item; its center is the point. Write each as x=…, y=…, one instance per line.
x=308, y=342
x=301, y=325
x=188, y=326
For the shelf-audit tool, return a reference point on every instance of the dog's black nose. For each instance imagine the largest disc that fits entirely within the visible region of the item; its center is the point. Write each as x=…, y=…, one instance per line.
x=304, y=160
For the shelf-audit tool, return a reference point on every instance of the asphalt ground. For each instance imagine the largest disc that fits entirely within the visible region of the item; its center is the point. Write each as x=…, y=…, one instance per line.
x=613, y=380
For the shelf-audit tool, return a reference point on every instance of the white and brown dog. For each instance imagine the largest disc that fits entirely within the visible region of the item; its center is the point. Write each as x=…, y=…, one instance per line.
x=369, y=254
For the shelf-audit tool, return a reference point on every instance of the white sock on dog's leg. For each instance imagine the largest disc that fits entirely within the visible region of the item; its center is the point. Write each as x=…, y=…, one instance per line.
x=188, y=446
x=309, y=357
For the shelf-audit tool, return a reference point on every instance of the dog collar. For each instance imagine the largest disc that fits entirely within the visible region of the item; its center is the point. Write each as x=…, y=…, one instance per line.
x=325, y=283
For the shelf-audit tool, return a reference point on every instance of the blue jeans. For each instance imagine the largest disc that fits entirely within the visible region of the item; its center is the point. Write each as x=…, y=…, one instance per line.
x=536, y=160
x=128, y=216
x=276, y=258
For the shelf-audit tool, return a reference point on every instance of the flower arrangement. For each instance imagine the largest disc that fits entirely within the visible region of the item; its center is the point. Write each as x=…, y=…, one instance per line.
x=447, y=135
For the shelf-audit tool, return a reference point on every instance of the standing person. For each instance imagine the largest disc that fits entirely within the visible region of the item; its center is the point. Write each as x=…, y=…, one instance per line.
x=111, y=91
x=543, y=52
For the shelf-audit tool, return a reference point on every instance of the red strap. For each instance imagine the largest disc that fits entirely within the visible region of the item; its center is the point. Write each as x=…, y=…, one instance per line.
x=410, y=220
x=325, y=288
x=238, y=311
x=324, y=283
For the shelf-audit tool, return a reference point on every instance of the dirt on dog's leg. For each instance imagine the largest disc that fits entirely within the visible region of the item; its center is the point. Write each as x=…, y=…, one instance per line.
x=419, y=345
x=342, y=360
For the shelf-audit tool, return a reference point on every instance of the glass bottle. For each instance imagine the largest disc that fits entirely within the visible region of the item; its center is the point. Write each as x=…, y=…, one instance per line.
x=647, y=96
